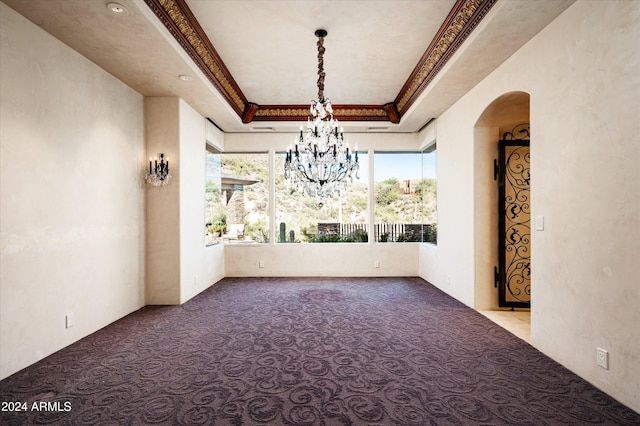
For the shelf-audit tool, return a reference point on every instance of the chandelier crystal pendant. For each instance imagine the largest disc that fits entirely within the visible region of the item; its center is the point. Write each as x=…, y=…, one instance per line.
x=320, y=162
x=158, y=174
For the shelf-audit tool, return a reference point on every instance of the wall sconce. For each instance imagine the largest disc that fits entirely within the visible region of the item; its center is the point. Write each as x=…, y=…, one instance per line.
x=158, y=173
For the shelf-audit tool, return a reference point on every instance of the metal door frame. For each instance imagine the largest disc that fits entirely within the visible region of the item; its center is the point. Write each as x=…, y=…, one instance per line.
x=518, y=137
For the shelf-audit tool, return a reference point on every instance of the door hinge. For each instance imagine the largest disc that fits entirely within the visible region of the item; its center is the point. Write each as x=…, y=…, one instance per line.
x=496, y=169
x=496, y=277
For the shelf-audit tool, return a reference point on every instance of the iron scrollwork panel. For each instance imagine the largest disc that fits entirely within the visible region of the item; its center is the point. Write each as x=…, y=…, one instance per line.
x=515, y=223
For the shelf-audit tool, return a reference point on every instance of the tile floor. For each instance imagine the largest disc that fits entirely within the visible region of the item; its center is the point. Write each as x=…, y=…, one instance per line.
x=516, y=322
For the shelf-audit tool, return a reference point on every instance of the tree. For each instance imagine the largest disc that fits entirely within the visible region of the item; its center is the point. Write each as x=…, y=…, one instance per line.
x=387, y=192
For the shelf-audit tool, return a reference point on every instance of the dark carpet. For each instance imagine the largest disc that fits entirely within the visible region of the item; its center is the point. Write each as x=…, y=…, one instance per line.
x=316, y=351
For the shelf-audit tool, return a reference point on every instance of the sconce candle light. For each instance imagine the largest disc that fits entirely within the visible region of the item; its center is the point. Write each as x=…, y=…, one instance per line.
x=158, y=173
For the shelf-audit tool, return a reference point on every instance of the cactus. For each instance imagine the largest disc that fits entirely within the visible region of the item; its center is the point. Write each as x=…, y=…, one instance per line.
x=283, y=232
x=292, y=236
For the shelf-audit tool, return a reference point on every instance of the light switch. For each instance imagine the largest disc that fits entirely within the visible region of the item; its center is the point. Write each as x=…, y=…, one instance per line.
x=539, y=223
x=69, y=320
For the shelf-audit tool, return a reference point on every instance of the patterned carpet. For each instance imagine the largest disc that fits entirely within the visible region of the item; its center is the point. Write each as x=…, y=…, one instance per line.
x=314, y=351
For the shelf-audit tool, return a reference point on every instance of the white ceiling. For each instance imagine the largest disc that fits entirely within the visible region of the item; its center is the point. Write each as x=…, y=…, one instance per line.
x=270, y=50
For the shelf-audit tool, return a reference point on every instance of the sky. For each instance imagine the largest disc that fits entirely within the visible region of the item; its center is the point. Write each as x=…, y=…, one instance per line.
x=401, y=166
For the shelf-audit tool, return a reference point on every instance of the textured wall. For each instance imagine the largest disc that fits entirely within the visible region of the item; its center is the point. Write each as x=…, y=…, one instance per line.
x=588, y=188
x=200, y=266
x=582, y=73
x=162, y=125
x=179, y=265
x=71, y=196
x=320, y=259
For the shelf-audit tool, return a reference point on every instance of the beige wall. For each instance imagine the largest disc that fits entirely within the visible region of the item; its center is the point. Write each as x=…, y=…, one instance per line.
x=485, y=206
x=449, y=265
x=179, y=265
x=71, y=196
x=162, y=125
x=587, y=158
x=345, y=259
x=200, y=266
x=582, y=73
x=262, y=142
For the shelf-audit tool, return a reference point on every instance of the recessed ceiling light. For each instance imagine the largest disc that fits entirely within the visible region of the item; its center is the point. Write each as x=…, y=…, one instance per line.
x=185, y=77
x=118, y=9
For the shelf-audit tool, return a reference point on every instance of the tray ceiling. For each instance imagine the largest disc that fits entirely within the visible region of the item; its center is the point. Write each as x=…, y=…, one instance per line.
x=391, y=65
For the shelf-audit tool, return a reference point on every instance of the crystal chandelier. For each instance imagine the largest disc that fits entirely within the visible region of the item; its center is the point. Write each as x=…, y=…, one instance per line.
x=159, y=173
x=320, y=163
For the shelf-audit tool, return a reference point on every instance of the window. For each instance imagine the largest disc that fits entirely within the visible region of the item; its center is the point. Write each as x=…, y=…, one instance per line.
x=237, y=197
x=405, y=205
x=405, y=202
x=300, y=218
x=215, y=211
x=428, y=192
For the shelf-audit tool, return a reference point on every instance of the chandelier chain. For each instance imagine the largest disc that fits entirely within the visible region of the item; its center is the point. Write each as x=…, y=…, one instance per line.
x=319, y=163
x=321, y=72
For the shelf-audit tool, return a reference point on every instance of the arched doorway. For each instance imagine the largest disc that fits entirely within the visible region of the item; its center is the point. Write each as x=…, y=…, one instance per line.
x=499, y=117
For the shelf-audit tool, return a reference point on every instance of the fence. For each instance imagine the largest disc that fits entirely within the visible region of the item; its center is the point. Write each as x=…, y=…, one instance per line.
x=383, y=232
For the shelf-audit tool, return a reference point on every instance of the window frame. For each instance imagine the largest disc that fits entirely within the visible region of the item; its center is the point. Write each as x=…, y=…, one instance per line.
x=367, y=177
x=334, y=231
x=239, y=232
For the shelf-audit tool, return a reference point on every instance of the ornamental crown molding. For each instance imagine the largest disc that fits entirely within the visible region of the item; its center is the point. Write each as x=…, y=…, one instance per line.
x=462, y=20
x=176, y=16
x=301, y=113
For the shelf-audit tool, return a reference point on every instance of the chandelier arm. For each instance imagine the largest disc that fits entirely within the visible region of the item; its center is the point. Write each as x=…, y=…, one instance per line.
x=303, y=172
x=341, y=174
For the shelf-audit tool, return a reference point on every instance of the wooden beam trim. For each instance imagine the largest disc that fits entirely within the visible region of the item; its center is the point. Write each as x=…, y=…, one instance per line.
x=462, y=20
x=392, y=112
x=184, y=27
x=301, y=113
x=182, y=24
x=249, y=112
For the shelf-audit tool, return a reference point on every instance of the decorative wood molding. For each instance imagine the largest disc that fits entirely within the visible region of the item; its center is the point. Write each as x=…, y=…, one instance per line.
x=249, y=112
x=301, y=113
x=282, y=113
x=182, y=24
x=461, y=21
x=176, y=16
x=392, y=112
x=359, y=113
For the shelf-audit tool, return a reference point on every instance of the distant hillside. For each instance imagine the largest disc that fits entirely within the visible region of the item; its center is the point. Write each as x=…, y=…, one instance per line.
x=302, y=213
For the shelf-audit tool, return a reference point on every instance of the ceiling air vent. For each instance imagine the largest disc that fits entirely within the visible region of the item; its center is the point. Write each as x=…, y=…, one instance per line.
x=262, y=129
x=378, y=129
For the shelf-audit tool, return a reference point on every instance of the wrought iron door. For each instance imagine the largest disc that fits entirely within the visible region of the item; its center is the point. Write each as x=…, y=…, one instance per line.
x=513, y=275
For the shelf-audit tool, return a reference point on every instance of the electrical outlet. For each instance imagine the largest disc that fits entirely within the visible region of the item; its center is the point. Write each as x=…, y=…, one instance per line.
x=376, y=264
x=602, y=358
x=261, y=264
x=69, y=320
